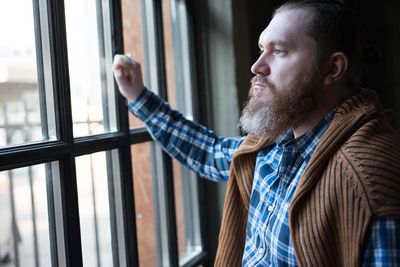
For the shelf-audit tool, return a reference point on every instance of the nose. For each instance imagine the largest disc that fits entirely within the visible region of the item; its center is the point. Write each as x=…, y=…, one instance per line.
x=260, y=66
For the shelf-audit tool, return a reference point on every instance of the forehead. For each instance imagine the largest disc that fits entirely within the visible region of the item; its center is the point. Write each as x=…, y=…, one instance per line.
x=287, y=26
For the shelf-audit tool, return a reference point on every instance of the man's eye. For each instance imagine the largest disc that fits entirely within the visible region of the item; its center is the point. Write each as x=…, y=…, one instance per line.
x=278, y=51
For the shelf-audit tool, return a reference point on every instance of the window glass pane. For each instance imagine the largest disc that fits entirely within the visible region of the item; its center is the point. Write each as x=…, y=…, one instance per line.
x=24, y=217
x=172, y=99
x=187, y=212
x=179, y=209
x=23, y=117
x=144, y=205
x=178, y=64
x=170, y=67
x=179, y=96
x=94, y=209
x=90, y=62
x=133, y=41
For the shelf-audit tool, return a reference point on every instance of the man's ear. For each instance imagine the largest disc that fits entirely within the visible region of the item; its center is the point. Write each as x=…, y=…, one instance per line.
x=337, y=67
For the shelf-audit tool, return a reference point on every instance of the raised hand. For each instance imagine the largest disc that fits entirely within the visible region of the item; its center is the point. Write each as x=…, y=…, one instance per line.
x=128, y=74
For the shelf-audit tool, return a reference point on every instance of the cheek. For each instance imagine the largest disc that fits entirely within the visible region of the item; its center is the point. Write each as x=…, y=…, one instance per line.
x=292, y=74
x=283, y=71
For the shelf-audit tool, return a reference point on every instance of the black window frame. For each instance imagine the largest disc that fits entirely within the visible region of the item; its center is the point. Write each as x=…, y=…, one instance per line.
x=67, y=147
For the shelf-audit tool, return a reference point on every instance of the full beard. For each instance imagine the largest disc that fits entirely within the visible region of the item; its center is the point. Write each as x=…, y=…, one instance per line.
x=284, y=110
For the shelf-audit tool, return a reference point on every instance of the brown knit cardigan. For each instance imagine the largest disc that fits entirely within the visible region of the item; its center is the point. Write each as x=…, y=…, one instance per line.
x=352, y=178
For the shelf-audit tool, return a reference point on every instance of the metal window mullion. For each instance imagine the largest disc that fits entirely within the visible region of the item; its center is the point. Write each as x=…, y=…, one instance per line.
x=62, y=99
x=167, y=184
x=199, y=229
x=182, y=57
x=96, y=143
x=185, y=86
x=125, y=209
x=163, y=176
x=112, y=207
x=164, y=205
x=109, y=108
x=51, y=214
x=25, y=155
x=41, y=34
x=197, y=39
x=70, y=211
x=184, y=50
x=125, y=201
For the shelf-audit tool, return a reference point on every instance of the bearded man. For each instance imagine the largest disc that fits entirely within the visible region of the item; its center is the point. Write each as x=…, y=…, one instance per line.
x=316, y=180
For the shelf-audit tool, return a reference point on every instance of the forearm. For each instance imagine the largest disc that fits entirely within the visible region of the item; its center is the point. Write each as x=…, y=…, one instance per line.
x=192, y=144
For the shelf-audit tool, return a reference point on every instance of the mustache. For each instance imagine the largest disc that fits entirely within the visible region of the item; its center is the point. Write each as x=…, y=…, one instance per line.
x=263, y=80
x=259, y=79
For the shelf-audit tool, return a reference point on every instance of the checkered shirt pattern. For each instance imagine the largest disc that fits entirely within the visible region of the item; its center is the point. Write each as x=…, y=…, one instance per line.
x=277, y=172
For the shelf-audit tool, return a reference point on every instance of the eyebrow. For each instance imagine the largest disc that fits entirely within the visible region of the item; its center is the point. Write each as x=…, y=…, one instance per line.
x=274, y=43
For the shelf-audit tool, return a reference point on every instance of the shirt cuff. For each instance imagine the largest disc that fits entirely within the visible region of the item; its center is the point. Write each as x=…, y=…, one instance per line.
x=145, y=105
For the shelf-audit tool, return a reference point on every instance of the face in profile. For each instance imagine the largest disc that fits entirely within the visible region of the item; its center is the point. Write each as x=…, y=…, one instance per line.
x=287, y=81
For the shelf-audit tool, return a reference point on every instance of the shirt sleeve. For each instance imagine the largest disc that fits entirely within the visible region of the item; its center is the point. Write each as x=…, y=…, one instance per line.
x=192, y=144
x=383, y=244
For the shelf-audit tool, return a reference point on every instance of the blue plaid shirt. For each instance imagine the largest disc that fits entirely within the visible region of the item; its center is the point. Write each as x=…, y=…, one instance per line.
x=277, y=172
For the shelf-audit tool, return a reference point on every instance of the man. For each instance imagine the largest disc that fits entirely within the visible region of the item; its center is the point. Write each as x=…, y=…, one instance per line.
x=316, y=181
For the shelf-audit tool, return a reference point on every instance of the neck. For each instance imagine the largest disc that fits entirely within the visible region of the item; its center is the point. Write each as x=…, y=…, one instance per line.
x=333, y=97
x=312, y=119
x=309, y=123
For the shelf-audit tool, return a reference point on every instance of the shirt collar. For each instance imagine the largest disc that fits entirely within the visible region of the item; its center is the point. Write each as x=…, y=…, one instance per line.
x=306, y=143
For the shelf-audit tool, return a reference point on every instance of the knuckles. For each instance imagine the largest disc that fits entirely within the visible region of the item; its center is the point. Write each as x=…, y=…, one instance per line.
x=126, y=64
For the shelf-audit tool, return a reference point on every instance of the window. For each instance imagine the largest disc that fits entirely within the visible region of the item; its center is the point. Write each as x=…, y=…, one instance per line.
x=24, y=116
x=81, y=181
x=24, y=218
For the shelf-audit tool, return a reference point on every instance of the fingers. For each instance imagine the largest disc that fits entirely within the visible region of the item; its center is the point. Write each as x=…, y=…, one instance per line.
x=124, y=61
x=124, y=66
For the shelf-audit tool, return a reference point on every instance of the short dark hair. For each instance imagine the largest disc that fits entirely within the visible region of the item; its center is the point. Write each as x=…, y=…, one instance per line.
x=335, y=28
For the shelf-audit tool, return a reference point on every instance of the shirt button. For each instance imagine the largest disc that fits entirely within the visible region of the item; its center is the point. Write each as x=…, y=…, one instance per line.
x=270, y=208
x=260, y=250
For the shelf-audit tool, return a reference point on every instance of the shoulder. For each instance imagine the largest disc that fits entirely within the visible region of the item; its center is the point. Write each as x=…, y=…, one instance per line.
x=374, y=145
x=372, y=157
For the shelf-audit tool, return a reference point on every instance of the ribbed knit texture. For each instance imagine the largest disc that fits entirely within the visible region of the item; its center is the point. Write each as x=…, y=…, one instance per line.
x=352, y=178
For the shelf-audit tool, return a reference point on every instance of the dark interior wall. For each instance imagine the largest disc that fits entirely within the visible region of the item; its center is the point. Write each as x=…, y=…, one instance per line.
x=381, y=24
x=259, y=15
x=250, y=19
